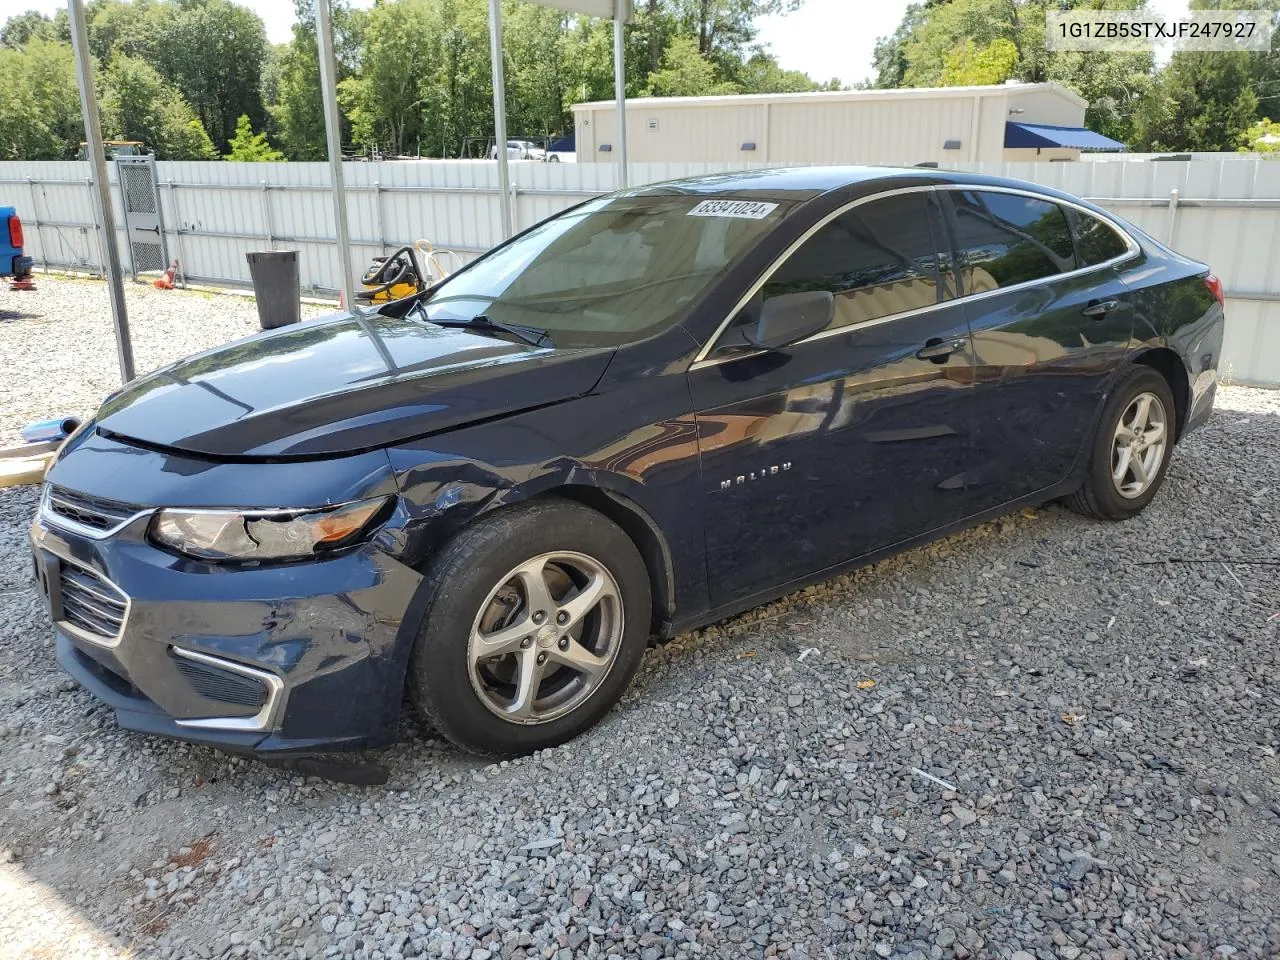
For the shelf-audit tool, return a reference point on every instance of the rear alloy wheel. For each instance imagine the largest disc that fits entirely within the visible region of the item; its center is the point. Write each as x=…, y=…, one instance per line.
x=1137, y=452
x=536, y=619
x=1131, y=449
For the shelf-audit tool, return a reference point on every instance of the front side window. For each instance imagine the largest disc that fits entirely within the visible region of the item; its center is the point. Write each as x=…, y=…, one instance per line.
x=611, y=271
x=1096, y=240
x=878, y=259
x=1008, y=238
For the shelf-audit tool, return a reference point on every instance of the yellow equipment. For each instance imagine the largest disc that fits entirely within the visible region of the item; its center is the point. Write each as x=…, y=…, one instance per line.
x=401, y=275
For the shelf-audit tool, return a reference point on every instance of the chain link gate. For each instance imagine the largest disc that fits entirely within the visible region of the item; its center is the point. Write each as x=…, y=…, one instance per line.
x=143, y=216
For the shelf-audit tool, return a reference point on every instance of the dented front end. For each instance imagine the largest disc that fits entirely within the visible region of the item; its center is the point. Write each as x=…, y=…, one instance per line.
x=271, y=658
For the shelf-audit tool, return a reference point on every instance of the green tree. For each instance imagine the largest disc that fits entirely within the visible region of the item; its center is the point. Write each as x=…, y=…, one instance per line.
x=1261, y=137
x=18, y=29
x=213, y=51
x=291, y=80
x=687, y=73
x=130, y=27
x=1264, y=68
x=589, y=62
x=250, y=147
x=724, y=27
x=295, y=103
x=890, y=56
x=39, y=102
x=534, y=59
x=762, y=74
x=139, y=104
x=413, y=74
x=1200, y=101
x=384, y=100
x=968, y=65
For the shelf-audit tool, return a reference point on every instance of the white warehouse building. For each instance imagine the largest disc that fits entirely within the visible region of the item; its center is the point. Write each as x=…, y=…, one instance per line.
x=937, y=125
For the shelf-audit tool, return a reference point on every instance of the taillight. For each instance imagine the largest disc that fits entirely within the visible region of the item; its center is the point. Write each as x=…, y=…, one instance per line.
x=15, y=232
x=1215, y=287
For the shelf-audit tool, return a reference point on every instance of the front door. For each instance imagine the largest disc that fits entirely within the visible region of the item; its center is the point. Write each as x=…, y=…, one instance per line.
x=853, y=439
x=1050, y=320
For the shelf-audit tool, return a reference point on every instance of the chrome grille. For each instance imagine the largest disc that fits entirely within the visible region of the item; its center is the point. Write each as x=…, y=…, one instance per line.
x=96, y=513
x=91, y=604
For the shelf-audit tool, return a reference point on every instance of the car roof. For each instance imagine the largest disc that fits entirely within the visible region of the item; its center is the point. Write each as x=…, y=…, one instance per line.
x=803, y=183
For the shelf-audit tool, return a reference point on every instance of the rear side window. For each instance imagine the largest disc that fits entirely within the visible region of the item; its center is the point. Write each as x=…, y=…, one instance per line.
x=1096, y=240
x=1008, y=238
x=880, y=258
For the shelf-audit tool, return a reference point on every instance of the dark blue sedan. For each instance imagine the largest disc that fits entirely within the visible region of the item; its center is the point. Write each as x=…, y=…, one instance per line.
x=652, y=411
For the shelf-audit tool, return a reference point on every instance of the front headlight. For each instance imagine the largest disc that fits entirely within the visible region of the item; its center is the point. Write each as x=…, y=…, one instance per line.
x=263, y=534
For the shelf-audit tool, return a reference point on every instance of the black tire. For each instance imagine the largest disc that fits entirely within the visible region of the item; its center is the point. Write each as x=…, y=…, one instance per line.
x=460, y=580
x=1099, y=496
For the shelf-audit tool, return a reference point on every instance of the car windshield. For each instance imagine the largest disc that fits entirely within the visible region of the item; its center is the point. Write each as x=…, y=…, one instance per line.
x=609, y=272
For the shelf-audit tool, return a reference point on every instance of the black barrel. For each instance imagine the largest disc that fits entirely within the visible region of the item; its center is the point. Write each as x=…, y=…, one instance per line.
x=276, y=286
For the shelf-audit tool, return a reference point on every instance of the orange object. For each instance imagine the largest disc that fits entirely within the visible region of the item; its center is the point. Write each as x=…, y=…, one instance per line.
x=166, y=282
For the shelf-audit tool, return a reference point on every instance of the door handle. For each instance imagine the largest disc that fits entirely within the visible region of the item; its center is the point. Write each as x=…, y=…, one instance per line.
x=1100, y=308
x=938, y=350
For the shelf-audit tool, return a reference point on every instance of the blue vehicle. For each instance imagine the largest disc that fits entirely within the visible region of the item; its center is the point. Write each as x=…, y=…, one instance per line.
x=12, y=261
x=651, y=411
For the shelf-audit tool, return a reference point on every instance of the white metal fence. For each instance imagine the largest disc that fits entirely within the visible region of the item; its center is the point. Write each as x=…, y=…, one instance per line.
x=1224, y=212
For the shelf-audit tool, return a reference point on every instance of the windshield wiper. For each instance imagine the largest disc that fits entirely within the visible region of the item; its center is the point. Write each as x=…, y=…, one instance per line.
x=533, y=336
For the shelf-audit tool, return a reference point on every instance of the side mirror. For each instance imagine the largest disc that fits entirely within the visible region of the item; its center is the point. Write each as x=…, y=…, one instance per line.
x=791, y=317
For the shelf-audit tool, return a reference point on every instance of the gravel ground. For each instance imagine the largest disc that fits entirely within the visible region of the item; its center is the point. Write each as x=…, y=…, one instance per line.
x=1101, y=701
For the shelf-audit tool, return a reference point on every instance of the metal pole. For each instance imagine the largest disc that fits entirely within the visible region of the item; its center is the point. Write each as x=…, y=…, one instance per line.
x=35, y=212
x=500, y=116
x=269, y=229
x=97, y=229
x=333, y=133
x=182, y=251
x=102, y=193
x=620, y=88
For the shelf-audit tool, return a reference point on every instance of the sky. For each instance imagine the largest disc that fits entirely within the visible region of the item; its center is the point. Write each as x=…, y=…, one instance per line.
x=824, y=38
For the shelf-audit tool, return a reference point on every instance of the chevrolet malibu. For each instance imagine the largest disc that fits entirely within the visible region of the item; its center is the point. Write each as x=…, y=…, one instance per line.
x=649, y=412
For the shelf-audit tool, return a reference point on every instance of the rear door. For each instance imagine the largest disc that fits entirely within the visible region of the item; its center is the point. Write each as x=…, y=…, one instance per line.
x=1049, y=324
x=853, y=439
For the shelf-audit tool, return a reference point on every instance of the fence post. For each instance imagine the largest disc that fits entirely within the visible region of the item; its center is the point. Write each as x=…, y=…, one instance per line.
x=1173, y=216
x=266, y=216
x=377, y=217
x=514, y=201
x=97, y=227
x=35, y=206
x=177, y=215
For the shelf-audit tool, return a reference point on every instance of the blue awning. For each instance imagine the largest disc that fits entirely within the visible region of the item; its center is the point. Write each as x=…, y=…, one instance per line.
x=1044, y=135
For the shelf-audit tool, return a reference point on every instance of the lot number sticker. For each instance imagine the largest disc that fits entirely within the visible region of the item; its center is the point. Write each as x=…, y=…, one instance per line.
x=737, y=209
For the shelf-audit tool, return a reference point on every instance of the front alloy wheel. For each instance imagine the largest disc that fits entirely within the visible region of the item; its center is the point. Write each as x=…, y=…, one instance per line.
x=546, y=637
x=534, y=620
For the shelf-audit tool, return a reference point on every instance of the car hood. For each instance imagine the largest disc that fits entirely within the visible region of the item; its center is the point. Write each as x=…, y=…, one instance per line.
x=340, y=384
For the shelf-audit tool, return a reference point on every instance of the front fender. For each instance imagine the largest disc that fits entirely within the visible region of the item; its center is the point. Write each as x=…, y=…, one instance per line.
x=637, y=444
